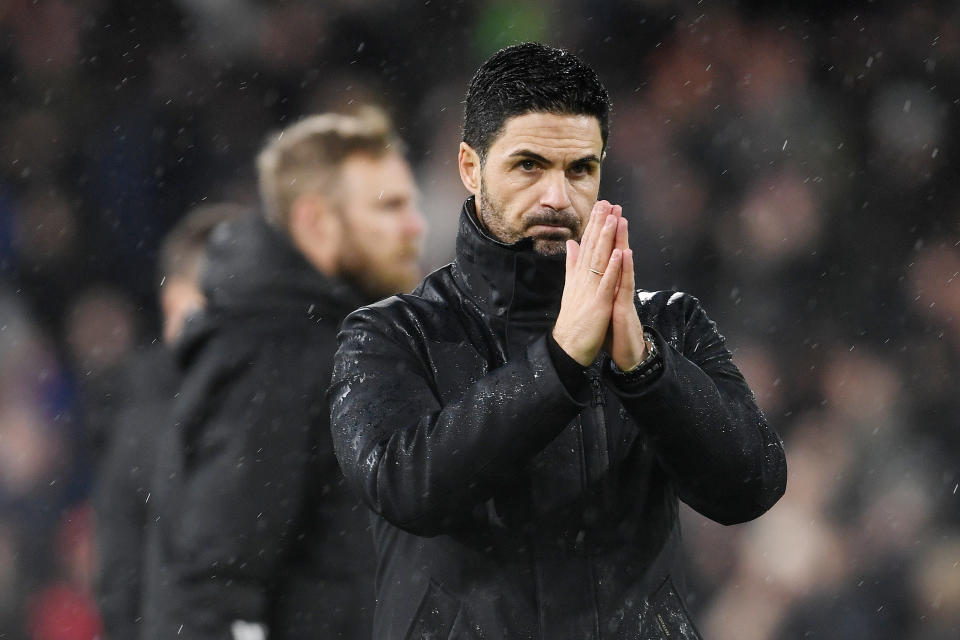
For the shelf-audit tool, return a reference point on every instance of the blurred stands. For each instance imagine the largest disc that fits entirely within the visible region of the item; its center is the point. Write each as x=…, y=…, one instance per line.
x=795, y=168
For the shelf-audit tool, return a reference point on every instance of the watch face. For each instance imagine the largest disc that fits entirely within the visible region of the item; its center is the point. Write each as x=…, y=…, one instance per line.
x=651, y=346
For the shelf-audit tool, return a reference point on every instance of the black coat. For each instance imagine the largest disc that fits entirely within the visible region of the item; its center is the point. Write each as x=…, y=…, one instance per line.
x=136, y=418
x=255, y=521
x=507, y=507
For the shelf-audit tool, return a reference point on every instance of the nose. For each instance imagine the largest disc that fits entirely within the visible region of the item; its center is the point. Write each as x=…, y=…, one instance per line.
x=415, y=223
x=555, y=193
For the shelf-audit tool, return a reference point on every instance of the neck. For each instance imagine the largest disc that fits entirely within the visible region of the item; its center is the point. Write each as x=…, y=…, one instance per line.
x=320, y=257
x=506, y=279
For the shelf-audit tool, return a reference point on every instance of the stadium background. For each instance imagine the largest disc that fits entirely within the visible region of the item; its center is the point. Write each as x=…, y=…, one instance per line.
x=794, y=168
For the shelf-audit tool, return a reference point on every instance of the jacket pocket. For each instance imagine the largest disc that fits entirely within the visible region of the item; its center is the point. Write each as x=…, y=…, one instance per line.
x=667, y=618
x=441, y=616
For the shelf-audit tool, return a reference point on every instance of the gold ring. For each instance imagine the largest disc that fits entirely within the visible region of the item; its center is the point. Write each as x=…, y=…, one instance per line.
x=599, y=273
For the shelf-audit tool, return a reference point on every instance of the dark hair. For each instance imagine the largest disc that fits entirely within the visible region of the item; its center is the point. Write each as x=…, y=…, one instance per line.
x=184, y=246
x=530, y=77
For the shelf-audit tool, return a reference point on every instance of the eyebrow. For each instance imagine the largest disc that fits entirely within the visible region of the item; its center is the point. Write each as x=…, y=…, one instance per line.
x=526, y=153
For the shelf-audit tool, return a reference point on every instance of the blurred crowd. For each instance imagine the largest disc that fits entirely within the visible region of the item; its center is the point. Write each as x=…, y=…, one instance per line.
x=796, y=169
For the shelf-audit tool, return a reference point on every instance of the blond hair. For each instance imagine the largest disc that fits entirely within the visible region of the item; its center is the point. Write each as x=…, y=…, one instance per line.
x=305, y=157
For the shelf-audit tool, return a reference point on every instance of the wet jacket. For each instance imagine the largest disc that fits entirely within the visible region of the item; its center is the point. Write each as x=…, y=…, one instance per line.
x=133, y=422
x=510, y=503
x=255, y=524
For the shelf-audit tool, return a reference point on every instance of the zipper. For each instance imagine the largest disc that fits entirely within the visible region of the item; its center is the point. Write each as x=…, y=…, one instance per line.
x=594, y=430
x=663, y=625
x=597, y=400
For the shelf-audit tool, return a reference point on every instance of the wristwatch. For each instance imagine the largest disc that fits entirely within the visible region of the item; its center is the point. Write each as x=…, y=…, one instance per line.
x=647, y=368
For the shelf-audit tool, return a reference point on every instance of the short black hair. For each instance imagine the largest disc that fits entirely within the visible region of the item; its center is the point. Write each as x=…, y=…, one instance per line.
x=530, y=77
x=184, y=247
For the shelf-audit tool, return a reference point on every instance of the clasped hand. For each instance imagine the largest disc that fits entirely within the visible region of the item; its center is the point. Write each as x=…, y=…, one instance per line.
x=597, y=310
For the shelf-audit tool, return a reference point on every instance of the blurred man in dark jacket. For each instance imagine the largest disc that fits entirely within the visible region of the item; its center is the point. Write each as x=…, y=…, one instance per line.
x=524, y=423
x=136, y=415
x=259, y=536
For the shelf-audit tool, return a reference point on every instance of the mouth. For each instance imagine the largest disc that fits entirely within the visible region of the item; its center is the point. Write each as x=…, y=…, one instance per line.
x=411, y=256
x=549, y=231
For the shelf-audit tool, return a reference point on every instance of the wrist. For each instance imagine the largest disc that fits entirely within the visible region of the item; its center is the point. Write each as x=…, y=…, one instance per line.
x=648, y=350
x=647, y=368
x=637, y=350
x=582, y=357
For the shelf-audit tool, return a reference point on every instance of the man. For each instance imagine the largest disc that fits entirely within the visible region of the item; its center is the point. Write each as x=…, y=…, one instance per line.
x=133, y=420
x=524, y=423
x=259, y=535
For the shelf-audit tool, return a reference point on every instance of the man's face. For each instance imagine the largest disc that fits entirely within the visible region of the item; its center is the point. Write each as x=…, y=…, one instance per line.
x=541, y=179
x=382, y=226
x=180, y=297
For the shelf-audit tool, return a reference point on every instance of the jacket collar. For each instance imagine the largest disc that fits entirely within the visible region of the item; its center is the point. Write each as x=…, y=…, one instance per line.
x=506, y=280
x=251, y=270
x=251, y=267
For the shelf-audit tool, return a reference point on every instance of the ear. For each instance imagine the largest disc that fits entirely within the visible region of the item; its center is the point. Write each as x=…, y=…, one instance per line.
x=304, y=214
x=469, y=163
x=179, y=298
x=316, y=230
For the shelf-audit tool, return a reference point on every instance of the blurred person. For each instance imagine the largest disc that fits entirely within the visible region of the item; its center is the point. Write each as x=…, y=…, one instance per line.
x=137, y=419
x=258, y=534
x=525, y=422
x=935, y=586
x=101, y=331
x=65, y=609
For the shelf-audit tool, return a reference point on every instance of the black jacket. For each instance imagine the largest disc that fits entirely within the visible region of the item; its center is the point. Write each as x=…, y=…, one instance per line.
x=255, y=522
x=136, y=417
x=510, y=504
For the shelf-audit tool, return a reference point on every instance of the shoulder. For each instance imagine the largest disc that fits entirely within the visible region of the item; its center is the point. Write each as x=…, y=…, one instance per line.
x=676, y=304
x=425, y=306
x=238, y=345
x=677, y=316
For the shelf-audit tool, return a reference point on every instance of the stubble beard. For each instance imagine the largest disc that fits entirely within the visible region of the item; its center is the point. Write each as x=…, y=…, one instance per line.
x=377, y=276
x=491, y=216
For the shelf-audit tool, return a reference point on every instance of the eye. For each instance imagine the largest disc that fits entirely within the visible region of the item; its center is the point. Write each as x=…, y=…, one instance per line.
x=527, y=165
x=581, y=169
x=393, y=204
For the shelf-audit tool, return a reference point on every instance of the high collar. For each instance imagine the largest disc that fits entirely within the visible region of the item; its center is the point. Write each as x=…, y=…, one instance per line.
x=506, y=280
x=251, y=271
x=252, y=267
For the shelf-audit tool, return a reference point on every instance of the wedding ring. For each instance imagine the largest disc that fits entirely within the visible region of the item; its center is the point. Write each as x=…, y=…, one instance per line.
x=599, y=273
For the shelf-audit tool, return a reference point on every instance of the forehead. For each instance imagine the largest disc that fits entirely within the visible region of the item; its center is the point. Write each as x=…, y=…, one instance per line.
x=550, y=135
x=362, y=171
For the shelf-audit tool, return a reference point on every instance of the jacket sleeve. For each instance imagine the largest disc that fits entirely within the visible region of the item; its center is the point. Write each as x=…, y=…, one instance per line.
x=709, y=434
x=248, y=453
x=418, y=462
x=120, y=512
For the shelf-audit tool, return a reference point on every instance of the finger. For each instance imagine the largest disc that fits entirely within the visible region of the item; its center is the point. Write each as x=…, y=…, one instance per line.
x=604, y=244
x=623, y=237
x=594, y=223
x=610, y=277
x=616, y=210
x=573, y=251
x=625, y=292
x=588, y=232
